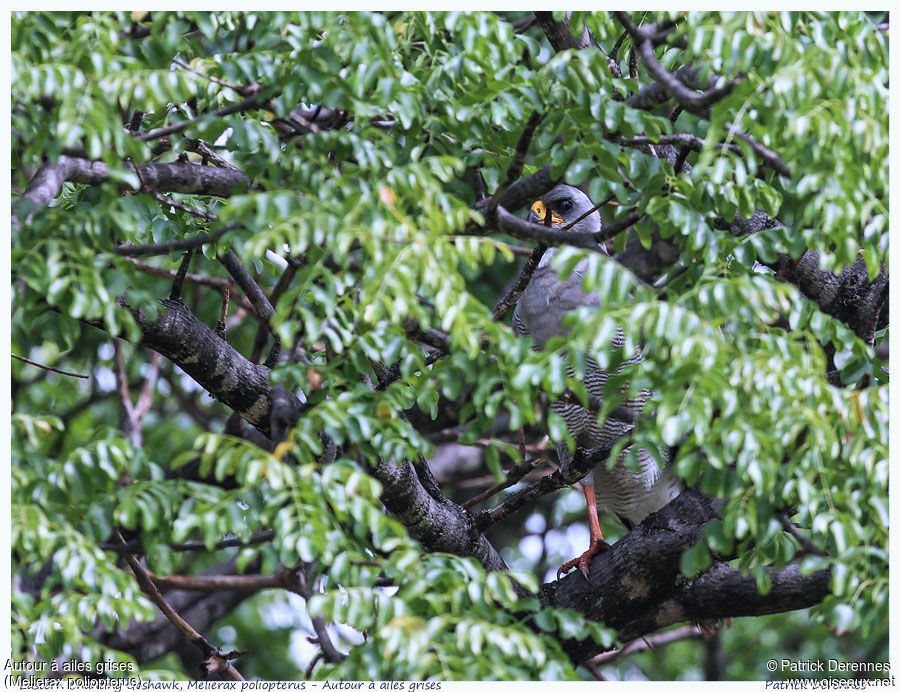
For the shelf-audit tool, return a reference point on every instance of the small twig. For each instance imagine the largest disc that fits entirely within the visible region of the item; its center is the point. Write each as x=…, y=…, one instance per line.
x=295, y=118
x=216, y=659
x=187, y=209
x=298, y=582
x=172, y=245
x=251, y=289
x=632, y=64
x=190, y=546
x=312, y=664
x=806, y=544
x=520, y=250
x=247, y=104
x=222, y=582
x=612, y=58
x=773, y=160
x=515, y=166
x=122, y=378
x=214, y=80
x=429, y=335
x=650, y=642
x=588, y=213
x=145, y=398
x=178, y=281
x=206, y=152
x=284, y=281
x=614, y=229
x=583, y=461
x=513, y=476
x=219, y=284
x=512, y=295
x=223, y=315
x=47, y=367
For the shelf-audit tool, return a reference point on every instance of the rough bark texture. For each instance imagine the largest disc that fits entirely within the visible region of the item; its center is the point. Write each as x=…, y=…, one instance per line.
x=636, y=587
x=46, y=184
x=228, y=376
x=439, y=524
x=849, y=296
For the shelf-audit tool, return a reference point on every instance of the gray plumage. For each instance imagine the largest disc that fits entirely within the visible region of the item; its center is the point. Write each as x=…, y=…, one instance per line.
x=627, y=495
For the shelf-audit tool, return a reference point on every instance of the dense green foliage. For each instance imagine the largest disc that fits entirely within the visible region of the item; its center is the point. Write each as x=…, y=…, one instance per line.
x=375, y=208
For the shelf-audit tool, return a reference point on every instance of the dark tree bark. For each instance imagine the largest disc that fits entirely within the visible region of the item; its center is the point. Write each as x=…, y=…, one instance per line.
x=45, y=186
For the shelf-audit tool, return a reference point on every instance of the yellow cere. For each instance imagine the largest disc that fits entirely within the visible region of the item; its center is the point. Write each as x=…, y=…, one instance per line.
x=540, y=209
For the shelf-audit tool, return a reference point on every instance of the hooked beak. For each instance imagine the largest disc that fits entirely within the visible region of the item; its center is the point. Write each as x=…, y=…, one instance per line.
x=538, y=214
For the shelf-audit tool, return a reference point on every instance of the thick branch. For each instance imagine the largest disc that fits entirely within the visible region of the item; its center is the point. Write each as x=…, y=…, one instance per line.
x=438, y=523
x=46, y=184
x=849, y=296
x=227, y=375
x=250, y=288
x=636, y=586
x=692, y=101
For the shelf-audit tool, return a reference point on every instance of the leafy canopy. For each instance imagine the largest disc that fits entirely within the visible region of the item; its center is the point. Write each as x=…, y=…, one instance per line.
x=376, y=209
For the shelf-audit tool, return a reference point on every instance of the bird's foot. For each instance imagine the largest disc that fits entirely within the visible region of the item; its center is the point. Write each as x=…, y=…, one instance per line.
x=597, y=546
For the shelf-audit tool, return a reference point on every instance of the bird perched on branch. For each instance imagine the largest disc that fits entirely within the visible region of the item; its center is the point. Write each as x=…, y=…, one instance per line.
x=627, y=495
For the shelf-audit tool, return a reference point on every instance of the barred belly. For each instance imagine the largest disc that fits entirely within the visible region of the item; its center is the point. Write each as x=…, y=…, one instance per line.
x=627, y=495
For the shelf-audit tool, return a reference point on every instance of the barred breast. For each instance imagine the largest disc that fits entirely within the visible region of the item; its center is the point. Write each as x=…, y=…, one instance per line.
x=625, y=494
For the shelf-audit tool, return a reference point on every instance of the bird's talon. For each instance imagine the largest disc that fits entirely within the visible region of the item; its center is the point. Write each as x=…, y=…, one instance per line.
x=582, y=561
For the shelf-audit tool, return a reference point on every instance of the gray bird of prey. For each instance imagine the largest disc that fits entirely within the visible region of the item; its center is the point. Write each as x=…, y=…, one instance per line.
x=626, y=495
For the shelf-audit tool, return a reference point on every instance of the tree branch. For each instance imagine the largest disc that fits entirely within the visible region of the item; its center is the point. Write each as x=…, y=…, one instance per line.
x=216, y=659
x=49, y=369
x=251, y=289
x=636, y=586
x=525, y=230
x=247, y=104
x=560, y=33
x=644, y=38
x=150, y=640
x=189, y=178
x=220, y=285
x=227, y=375
x=512, y=295
x=172, y=245
x=635, y=646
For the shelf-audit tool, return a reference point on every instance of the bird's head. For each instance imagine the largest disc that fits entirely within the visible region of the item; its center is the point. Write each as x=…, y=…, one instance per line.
x=566, y=204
